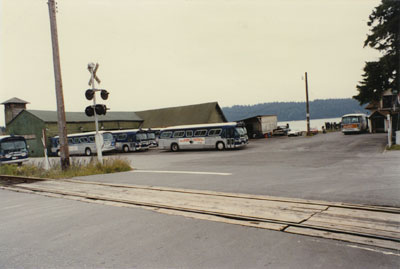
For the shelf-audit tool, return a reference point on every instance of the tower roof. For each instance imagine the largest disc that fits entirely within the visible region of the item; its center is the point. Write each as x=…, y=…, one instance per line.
x=15, y=100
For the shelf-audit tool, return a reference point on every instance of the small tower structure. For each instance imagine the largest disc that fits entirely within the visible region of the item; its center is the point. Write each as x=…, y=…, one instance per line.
x=12, y=108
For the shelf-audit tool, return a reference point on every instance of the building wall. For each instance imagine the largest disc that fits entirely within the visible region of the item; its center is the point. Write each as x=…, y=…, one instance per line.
x=215, y=117
x=12, y=110
x=31, y=128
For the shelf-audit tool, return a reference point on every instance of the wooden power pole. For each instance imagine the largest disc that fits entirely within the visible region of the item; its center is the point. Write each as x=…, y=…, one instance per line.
x=62, y=128
x=308, y=108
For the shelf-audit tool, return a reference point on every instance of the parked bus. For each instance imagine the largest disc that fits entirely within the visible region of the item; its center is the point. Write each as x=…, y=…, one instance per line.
x=84, y=143
x=354, y=123
x=130, y=140
x=152, y=136
x=13, y=149
x=201, y=136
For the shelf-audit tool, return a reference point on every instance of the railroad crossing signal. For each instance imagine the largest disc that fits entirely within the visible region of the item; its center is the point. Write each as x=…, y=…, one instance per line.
x=99, y=109
x=104, y=94
x=89, y=94
x=93, y=68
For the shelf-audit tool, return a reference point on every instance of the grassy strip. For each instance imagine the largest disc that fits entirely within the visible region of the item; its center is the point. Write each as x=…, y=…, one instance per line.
x=393, y=147
x=77, y=168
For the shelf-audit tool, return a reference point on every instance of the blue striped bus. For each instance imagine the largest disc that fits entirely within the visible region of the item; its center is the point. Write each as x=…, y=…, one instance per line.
x=131, y=140
x=201, y=136
x=84, y=143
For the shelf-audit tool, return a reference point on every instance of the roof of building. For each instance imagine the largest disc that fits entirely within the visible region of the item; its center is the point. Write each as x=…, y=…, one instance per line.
x=182, y=115
x=372, y=105
x=51, y=116
x=15, y=100
x=382, y=112
x=258, y=116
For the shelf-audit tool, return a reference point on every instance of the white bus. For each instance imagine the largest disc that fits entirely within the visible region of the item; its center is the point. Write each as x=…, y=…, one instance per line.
x=84, y=143
x=131, y=140
x=354, y=123
x=202, y=136
x=13, y=149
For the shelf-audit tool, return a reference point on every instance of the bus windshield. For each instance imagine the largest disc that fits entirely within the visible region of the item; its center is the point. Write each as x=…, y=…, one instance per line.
x=13, y=145
x=107, y=136
x=348, y=120
x=141, y=137
x=240, y=130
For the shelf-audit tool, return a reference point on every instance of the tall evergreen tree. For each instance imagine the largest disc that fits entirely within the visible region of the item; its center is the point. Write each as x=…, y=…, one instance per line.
x=383, y=74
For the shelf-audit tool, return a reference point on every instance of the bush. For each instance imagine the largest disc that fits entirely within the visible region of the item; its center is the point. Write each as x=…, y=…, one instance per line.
x=77, y=168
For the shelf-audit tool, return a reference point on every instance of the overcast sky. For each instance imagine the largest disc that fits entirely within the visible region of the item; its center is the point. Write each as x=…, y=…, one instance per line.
x=162, y=53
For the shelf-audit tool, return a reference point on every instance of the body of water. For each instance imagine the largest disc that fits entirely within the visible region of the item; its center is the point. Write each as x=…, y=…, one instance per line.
x=301, y=125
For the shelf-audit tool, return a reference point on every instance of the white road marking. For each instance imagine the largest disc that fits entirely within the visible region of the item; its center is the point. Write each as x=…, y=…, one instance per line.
x=374, y=250
x=181, y=172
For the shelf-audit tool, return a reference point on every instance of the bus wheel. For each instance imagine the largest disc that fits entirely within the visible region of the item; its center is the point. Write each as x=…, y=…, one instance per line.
x=220, y=146
x=88, y=152
x=174, y=147
x=125, y=149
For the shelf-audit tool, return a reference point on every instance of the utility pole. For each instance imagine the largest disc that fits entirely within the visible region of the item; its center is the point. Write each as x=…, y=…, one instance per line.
x=62, y=128
x=308, y=108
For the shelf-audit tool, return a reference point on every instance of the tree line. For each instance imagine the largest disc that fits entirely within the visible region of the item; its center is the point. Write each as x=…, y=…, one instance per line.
x=288, y=111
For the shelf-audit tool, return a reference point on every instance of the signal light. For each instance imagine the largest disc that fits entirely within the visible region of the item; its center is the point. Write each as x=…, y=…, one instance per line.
x=89, y=94
x=89, y=111
x=104, y=94
x=101, y=109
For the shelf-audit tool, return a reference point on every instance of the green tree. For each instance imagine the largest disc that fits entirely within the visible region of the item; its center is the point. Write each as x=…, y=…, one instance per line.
x=384, y=36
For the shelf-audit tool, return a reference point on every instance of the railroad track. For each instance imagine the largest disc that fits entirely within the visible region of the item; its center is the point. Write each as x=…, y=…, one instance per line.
x=369, y=225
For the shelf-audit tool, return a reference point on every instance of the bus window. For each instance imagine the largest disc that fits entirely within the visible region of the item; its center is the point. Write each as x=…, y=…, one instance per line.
x=214, y=132
x=166, y=134
x=140, y=137
x=91, y=139
x=70, y=141
x=108, y=137
x=240, y=130
x=349, y=120
x=122, y=136
x=200, y=133
x=76, y=140
x=83, y=140
x=179, y=134
x=189, y=133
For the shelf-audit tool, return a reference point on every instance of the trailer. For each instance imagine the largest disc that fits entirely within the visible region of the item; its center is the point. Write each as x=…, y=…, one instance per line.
x=260, y=126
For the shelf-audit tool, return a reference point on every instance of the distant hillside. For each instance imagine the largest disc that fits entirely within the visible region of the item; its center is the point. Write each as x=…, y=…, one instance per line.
x=288, y=111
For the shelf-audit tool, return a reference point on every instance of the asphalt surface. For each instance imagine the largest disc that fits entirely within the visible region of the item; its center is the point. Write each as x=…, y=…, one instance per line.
x=330, y=167
x=43, y=232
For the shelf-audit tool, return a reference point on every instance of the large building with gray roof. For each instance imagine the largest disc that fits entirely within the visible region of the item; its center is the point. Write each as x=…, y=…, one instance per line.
x=31, y=123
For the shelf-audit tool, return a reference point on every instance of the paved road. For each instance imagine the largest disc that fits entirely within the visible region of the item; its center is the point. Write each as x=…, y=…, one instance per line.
x=331, y=167
x=44, y=232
